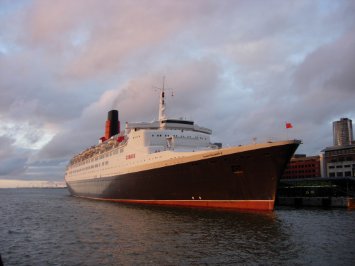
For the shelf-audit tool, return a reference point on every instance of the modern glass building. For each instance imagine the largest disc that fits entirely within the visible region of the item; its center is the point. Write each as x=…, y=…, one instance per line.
x=342, y=132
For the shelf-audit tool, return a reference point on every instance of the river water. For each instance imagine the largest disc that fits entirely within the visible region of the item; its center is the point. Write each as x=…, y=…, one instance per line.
x=49, y=227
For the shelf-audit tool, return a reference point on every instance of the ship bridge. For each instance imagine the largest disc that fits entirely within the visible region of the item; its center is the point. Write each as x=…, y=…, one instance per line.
x=177, y=124
x=164, y=123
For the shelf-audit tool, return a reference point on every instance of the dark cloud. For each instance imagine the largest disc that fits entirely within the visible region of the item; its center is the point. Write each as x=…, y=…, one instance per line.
x=13, y=161
x=325, y=82
x=328, y=65
x=12, y=167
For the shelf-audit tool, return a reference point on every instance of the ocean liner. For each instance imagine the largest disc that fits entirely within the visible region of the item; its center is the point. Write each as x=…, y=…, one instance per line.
x=173, y=162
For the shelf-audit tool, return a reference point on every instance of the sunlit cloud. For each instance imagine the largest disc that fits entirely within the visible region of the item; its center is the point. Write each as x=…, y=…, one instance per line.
x=26, y=136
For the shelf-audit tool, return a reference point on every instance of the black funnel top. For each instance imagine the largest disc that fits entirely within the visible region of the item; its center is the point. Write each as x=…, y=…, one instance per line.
x=113, y=117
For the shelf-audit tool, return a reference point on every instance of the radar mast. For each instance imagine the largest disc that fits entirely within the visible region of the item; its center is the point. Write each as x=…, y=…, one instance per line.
x=162, y=115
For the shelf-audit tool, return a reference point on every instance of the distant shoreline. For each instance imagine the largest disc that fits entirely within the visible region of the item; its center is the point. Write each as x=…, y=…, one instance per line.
x=32, y=187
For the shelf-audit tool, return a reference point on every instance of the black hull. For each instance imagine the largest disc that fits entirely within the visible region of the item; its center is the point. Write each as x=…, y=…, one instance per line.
x=243, y=180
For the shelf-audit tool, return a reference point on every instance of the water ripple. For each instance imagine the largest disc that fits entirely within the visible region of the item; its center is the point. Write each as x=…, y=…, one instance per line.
x=48, y=227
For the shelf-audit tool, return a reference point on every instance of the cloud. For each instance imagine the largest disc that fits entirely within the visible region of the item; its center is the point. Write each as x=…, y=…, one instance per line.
x=325, y=82
x=240, y=68
x=13, y=160
x=13, y=166
x=6, y=147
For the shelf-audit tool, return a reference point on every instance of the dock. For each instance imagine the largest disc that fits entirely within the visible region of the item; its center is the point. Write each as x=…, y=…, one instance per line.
x=317, y=192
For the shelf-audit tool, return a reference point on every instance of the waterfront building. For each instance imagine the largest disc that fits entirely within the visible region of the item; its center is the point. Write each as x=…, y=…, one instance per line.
x=339, y=159
x=342, y=132
x=302, y=166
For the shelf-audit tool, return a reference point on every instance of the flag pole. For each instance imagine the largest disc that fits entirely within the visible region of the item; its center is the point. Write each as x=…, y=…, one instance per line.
x=288, y=125
x=286, y=133
x=286, y=130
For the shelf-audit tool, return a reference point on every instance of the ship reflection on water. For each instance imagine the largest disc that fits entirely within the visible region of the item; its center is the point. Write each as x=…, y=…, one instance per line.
x=166, y=235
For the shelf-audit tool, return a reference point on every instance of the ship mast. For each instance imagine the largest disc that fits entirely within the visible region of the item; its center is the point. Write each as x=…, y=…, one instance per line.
x=162, y=115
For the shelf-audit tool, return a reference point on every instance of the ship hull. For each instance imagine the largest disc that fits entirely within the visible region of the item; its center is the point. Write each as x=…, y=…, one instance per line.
x=241, y=180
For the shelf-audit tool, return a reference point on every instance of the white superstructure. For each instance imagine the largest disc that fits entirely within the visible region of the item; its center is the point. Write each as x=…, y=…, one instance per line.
x=141, y=146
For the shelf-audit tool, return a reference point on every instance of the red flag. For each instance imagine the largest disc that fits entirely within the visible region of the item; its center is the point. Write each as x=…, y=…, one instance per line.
x=288, y=125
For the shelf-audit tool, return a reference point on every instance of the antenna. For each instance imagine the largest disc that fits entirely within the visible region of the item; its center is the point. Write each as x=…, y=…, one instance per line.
x=162, y=115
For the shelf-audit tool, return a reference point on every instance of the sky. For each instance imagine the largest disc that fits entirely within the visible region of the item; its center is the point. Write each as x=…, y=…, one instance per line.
x=241, y=68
